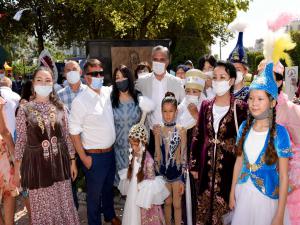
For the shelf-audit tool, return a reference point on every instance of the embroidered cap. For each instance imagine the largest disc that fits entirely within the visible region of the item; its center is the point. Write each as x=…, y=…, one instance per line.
x=195, y=79
x=265, y=81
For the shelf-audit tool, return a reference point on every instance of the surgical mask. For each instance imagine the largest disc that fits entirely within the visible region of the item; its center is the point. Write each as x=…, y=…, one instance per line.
x=142, y=74
x=122, y=85
x=43, y=90
x=239, y=77
x=2, y=75
x=97, y=83
x=158, y=68
x=263, y=115
x=220, y=87
x=73, y=77
x=210, y=74
x=192, y=99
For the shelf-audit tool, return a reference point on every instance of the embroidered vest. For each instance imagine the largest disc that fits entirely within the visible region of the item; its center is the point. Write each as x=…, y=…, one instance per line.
x=46, y=156
x=266, y=177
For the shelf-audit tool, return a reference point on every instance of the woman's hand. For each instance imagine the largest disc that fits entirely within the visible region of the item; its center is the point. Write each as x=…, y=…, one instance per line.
x=181, y=188
x=231, y=200
x=74, y=170
x=193, y=110
x=195, y=174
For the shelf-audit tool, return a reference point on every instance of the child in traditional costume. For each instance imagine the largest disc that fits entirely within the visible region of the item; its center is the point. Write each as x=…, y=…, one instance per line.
x=170, y=157
x=145, y=192
x=257, y=194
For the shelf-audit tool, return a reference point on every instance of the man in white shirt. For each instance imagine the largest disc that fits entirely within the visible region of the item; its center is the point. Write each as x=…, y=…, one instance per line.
x=93, y=133
x=12, y=102
x=155, y=85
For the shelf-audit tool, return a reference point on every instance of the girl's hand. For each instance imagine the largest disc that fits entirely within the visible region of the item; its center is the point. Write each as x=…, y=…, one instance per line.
x=74, y=170
x=156, y=129
x=17, y=178
x=277, y=220
x=231, y=200
x=181, y=188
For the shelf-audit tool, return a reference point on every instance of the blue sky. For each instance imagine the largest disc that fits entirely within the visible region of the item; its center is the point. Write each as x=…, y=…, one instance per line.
x=260, y=11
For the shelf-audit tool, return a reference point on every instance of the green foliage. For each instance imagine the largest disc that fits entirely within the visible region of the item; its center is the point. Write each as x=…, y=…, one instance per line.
x=295, y=53
x=254, y=59
x=75, y=21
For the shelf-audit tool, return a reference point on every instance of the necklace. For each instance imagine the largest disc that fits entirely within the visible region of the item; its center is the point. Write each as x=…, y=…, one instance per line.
x=170, y=124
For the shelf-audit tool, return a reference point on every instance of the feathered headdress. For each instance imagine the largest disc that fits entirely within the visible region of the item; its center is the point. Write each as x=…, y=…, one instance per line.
x=238, y=54
x=139, y=131
x=45, y=59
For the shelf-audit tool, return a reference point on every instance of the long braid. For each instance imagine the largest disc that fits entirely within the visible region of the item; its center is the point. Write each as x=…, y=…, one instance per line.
x=130, y=167
x=239, y=146
x=271, y=156
x=140, y=175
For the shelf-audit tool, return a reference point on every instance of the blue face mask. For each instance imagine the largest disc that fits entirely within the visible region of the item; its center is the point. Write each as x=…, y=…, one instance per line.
x=97, y=83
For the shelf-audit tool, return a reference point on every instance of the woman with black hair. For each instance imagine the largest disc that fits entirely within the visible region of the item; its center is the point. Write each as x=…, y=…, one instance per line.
x=126, y=112
x=213, y=154
x=207, y=64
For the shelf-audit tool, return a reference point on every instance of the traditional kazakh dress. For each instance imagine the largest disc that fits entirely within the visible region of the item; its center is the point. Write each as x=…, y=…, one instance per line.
x=44, y=148
x=213, y=157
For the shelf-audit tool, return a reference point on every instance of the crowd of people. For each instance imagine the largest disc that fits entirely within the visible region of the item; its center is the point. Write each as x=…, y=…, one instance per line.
x=200, y=147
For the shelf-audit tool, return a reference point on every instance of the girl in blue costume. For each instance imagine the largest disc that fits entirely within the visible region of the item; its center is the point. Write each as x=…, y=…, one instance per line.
x=260, y=178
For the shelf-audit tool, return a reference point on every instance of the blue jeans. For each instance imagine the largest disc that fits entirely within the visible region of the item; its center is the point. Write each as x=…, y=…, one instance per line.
x=99, y=179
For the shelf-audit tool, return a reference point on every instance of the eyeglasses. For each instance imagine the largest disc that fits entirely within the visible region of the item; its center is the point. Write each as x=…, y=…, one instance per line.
x=96, y=73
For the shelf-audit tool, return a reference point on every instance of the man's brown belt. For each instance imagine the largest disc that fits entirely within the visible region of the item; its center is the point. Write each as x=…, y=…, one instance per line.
x=99, y=151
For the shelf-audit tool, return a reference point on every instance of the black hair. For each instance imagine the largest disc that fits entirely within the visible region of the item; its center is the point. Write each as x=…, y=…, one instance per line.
x=169, y=98
x=141, y=66
x=229, y=68
x=279, y=77
x=26, y=90
x=207, y=58
x=115, y=94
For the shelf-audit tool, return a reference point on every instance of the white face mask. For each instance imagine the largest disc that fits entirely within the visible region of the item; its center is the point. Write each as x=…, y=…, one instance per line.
x=210, y=74
x=2, y=75
x=239, y=77
x=158, y=68
x=192, y=99
x=97, y=83
x=43, y=90
x=73, y=77
x=220, y=87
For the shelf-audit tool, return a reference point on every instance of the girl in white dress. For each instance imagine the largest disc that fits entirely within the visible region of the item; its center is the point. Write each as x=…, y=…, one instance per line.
x=258, y=196
x=145, y=192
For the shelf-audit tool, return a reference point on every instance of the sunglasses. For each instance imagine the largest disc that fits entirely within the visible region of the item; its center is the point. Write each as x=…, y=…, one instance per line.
x=95, y=73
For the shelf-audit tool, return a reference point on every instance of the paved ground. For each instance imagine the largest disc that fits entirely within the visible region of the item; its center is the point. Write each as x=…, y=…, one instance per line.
x=21, y=216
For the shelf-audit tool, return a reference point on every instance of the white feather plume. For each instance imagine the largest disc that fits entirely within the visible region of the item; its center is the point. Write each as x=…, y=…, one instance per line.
x=269, y=41
x=238, y=26
x=146, y=105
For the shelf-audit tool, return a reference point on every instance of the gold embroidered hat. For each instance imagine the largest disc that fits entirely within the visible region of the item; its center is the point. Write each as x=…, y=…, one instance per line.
x=195, y=79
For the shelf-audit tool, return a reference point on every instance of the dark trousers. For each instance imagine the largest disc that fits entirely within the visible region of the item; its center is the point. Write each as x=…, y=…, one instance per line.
x=99, y=179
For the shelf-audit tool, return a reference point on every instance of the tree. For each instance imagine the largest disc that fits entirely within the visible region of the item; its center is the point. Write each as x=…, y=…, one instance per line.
x=295, y=53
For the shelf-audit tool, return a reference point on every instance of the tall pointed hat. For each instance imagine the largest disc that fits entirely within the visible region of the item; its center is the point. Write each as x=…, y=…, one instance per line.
x=238, y=54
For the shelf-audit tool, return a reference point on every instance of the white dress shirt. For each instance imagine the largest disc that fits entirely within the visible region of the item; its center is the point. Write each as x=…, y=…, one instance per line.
x=92, y=117
x=159, y=88
x=12, y=102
